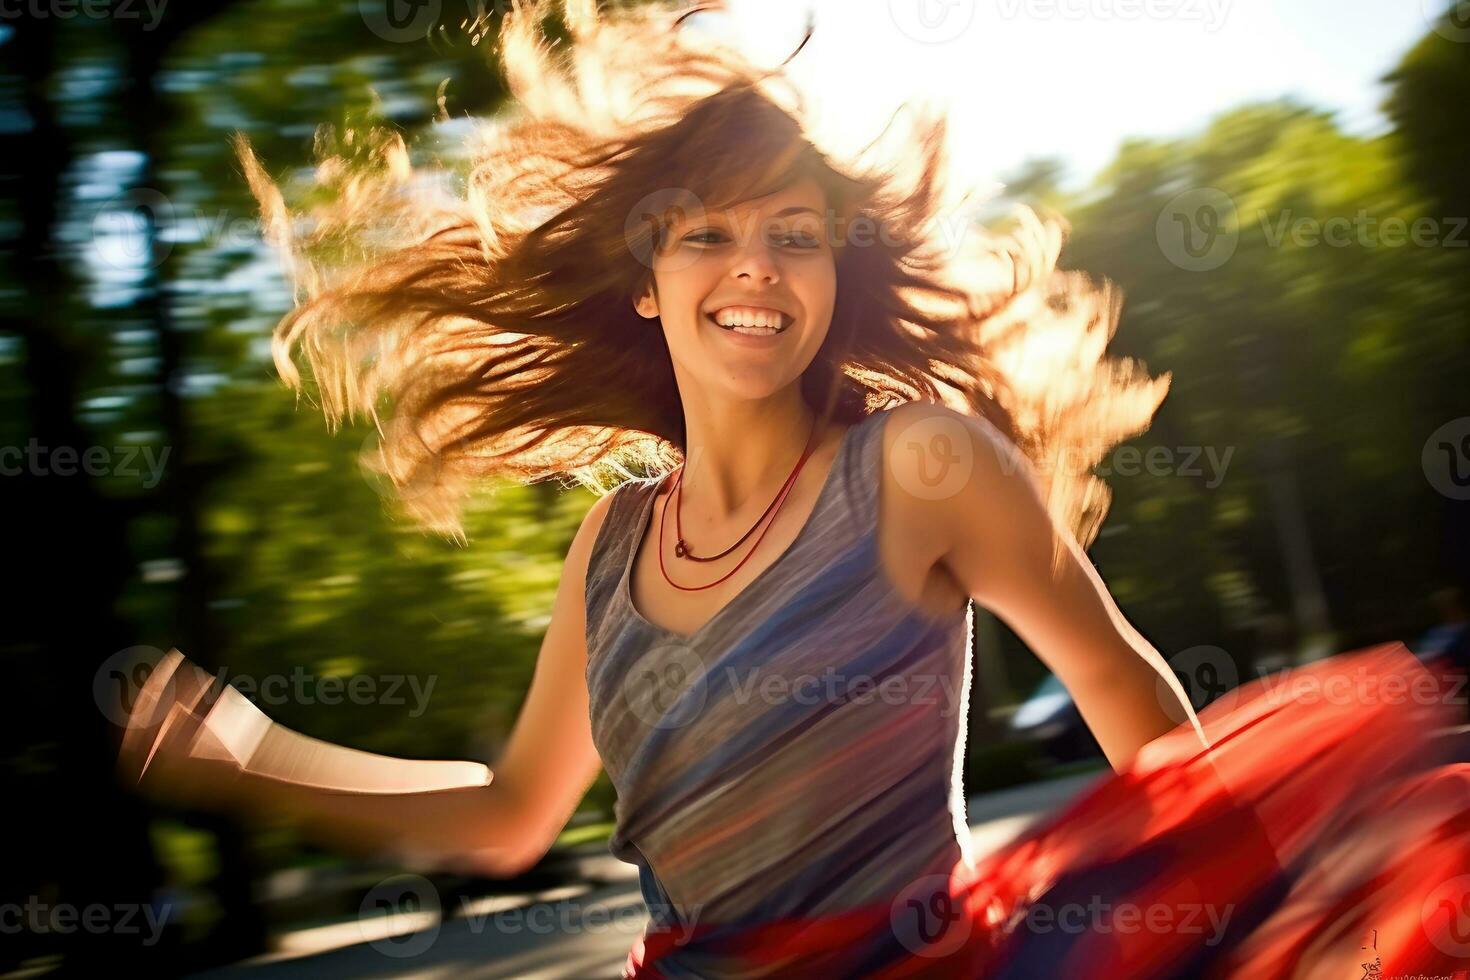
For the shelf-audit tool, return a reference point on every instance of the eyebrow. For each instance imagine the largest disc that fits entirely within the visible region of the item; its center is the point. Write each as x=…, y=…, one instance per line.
x=796, y=209
x=784, y=212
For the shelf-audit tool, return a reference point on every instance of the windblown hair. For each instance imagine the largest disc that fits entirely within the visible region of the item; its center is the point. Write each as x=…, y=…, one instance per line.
x=498, y=322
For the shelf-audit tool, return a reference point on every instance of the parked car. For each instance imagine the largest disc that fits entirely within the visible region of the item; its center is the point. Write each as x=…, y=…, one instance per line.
x=1050, y=718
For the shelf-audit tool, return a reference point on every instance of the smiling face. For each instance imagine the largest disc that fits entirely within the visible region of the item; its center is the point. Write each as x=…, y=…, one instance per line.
x=745, y=295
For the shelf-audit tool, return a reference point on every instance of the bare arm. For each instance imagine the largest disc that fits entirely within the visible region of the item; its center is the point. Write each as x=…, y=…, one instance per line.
x=455, y=814
x=995, y=536
x=550, y=761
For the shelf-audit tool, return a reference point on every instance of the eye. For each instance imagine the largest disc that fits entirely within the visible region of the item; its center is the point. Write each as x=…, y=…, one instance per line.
x=800, y=240
x=713, y=236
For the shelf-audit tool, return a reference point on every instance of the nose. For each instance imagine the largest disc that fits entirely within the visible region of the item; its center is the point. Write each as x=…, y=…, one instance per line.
x=756, y=264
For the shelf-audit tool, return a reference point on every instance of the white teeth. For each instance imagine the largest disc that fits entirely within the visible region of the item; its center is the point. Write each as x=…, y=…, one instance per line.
x=746, y=321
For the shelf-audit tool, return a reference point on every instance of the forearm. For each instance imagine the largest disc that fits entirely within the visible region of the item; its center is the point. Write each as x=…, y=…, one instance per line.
x=1135, y=702
x=427, y=812
x=266, y=748
x=1124, y=716
x=467, y=828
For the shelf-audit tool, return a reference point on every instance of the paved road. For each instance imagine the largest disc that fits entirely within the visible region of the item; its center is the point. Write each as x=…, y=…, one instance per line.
x=570, y=933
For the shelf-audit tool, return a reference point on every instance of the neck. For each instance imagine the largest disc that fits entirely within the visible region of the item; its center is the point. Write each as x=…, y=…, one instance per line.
x=738, y=455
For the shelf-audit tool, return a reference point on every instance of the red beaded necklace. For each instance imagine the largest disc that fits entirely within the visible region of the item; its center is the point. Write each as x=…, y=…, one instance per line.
x=681, y=547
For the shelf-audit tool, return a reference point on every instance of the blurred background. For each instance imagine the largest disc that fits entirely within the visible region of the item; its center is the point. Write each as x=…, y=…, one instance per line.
x=1279, y=191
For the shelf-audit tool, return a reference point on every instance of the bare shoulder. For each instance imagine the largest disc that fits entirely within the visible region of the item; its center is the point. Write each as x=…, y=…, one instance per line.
x=955, y=484
x=580, y=551
x=926, y=428
x=933, y=454
x=596, y=514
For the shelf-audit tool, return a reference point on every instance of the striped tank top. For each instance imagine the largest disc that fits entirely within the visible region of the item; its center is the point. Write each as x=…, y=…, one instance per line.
x=801, y=752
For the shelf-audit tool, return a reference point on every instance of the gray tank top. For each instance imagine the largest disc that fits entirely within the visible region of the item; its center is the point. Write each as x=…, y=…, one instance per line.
x=801, y=752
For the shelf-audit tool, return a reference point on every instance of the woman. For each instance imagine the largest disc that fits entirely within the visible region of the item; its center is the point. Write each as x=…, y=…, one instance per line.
x=855, y=428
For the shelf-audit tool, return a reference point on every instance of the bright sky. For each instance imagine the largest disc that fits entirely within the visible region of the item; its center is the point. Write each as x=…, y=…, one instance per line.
x=1073, y=78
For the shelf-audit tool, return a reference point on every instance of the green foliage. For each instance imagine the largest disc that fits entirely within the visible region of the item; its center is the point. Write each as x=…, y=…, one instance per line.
x=1320, y=368
x=1338, y=351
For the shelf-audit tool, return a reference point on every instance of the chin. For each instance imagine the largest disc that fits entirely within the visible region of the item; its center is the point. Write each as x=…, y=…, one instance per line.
x=748, y=386
x=748, y=375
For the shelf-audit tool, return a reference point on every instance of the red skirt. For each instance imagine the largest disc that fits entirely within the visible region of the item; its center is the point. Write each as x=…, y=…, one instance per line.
x=1325, y=834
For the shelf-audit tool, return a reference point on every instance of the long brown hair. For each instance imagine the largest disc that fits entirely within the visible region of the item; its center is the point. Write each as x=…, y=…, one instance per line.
x=498, y=322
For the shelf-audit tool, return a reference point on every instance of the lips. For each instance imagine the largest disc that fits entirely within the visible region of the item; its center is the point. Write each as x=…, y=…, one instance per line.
x=786, y=318
x=743, y=331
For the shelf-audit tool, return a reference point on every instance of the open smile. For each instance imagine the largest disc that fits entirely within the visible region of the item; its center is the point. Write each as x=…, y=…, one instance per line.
x=754, y=321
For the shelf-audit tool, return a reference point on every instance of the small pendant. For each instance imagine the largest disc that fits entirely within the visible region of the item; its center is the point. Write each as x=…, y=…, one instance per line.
x=679, y=550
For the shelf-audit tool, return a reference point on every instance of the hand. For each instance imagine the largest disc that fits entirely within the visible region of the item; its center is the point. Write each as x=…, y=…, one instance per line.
x=168, y=751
